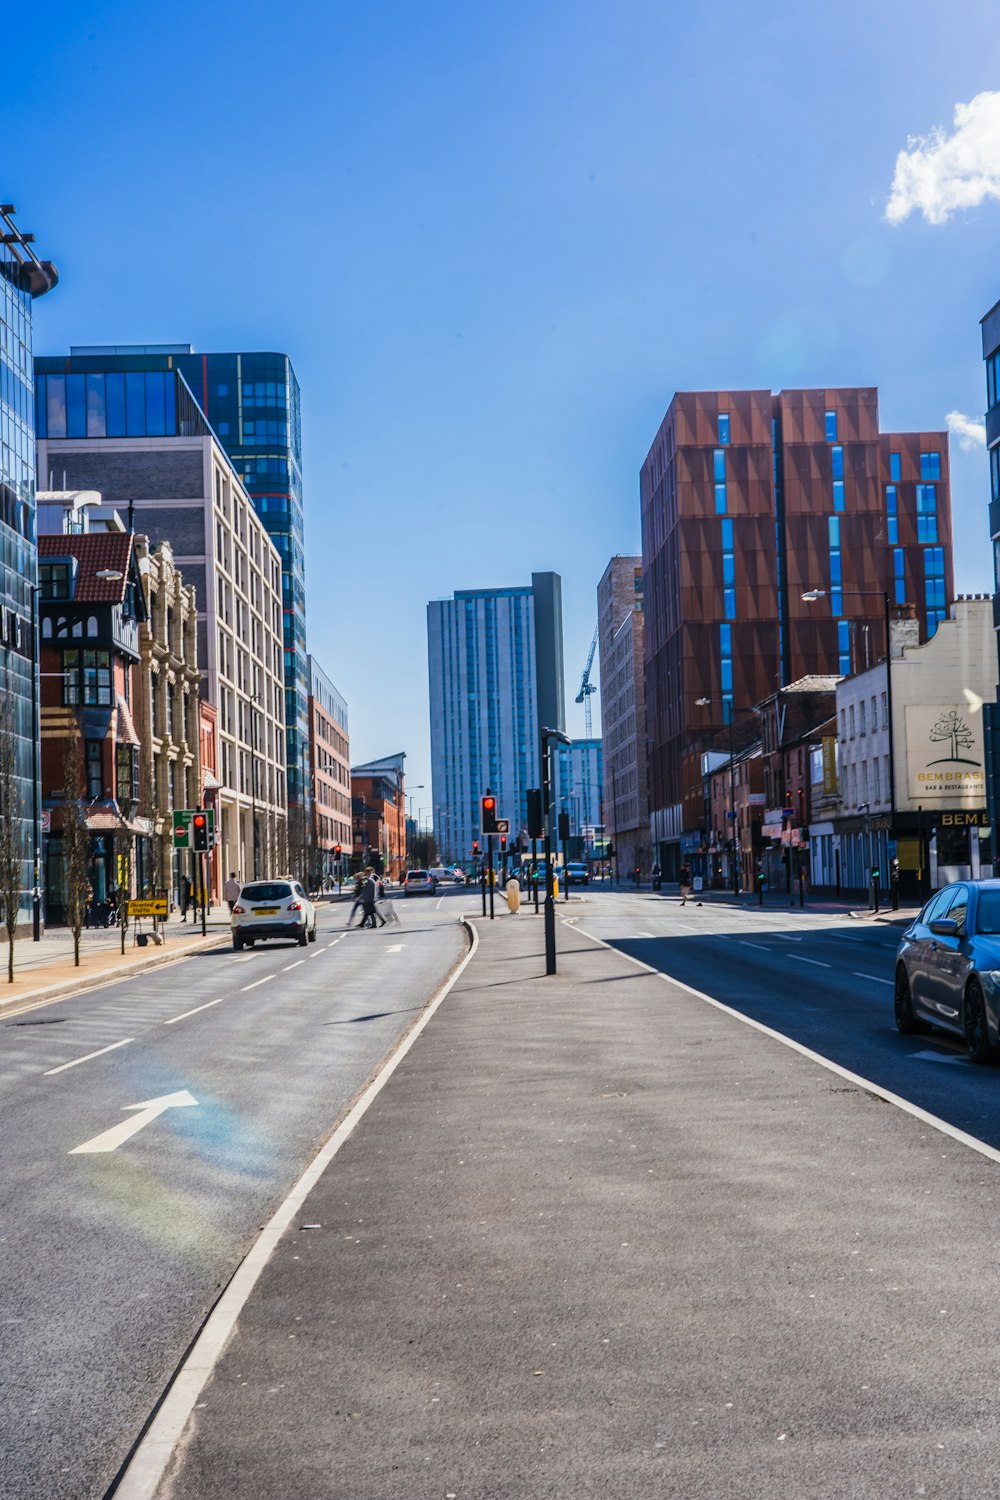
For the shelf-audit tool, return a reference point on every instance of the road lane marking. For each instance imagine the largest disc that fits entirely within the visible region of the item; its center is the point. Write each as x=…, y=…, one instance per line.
x=865, y=1084
x=761, y=946
x=78, y=1060
x=246, y=959
x=152, y=1454
x=256, y=983
x=438, y=907
x=184, y=1014
x=396, y=948
x=876, y=978
x=149, y=1110
x=293, y=966
x=817, y=963
x=335, y=942
x=787, y=937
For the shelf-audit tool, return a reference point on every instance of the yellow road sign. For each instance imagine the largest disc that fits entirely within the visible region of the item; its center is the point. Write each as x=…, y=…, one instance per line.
x=155, y=906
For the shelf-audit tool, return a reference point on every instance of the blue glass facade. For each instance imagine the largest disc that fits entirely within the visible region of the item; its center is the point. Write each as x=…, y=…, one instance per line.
x=22, y=278
x=252, y=404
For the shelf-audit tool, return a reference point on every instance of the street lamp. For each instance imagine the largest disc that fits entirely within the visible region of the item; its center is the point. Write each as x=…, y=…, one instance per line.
x=731, y=713
x=810, y=597
x=550, y=900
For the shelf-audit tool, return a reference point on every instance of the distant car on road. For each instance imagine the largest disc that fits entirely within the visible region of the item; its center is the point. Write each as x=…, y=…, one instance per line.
x=948, y=968
x=577, y=874
x=416, y=881
x=445, y=875
x=273, y=908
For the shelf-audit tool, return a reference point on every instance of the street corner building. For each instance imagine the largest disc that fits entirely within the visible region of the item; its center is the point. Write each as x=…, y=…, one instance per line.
x=495, y=665
x=773, y=529
x=91, y=603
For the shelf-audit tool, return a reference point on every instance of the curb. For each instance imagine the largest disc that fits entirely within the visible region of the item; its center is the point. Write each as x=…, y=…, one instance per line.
x=45, y=994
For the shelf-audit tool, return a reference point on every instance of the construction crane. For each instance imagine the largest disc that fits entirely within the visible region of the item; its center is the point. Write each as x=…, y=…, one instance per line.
x=588, y=688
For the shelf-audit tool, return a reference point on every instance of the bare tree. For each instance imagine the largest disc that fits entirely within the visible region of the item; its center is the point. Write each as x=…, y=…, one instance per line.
x=13, y=841
x=75, y=839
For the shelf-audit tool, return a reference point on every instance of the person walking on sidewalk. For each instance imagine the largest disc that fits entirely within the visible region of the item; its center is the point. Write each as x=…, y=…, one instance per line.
x=685, y=883
x=369, y=900
x=184, y=889
x=231, y=891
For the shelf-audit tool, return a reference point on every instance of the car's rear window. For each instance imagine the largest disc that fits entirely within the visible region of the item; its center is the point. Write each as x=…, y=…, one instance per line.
x=988, y=913
x=266, y=891
x=418, y=875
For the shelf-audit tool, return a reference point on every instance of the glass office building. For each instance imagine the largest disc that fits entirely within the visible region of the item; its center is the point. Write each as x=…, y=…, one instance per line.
x=252, y=404
x=22, y=278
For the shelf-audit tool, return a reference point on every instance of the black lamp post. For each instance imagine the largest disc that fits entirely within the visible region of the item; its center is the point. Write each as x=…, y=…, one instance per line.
x=550, y=900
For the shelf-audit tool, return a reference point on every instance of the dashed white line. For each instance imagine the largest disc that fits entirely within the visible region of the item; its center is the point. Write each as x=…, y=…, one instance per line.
x=256, y=983
x=876, y=978
x=816, y=962
x=787, y=937
x=78, y=1060
x=761, y=946
x=293, y=966
x=248, y=958
x=184, y=1014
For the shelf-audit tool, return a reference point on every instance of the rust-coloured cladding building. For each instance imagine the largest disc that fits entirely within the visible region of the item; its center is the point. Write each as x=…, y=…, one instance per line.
x=749, y=500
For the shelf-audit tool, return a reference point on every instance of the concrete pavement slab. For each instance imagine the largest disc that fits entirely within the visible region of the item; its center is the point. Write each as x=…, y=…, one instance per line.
x=599, y=1238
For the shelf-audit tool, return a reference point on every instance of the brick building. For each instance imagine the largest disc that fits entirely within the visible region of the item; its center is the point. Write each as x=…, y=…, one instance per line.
x=749, y=501
x=330, y=776
x=378, y=807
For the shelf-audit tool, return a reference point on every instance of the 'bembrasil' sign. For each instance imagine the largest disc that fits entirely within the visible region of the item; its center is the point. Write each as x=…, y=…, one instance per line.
x=944, y=755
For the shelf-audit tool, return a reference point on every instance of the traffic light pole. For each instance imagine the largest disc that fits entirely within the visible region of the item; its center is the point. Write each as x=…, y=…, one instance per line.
x=489, y=846
x=204, y=893
x=534, y=871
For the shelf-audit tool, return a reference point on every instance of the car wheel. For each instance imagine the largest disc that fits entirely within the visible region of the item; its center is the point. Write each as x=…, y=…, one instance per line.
x=303, y=938
x=237, y=942
x=312, y=933
x=977, y=1031
x=906, y=1021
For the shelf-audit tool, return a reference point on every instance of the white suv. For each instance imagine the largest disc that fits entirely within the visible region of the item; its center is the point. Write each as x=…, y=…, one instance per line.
x=270, y=909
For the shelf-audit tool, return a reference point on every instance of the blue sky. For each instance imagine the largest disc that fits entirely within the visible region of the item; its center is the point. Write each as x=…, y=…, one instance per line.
x=494, y=240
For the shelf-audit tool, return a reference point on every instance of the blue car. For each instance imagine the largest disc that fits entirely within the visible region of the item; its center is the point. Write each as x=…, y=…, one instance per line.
x=948, y=968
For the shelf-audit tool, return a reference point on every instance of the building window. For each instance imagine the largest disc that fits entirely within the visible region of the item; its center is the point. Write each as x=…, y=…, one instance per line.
x=838, y=494
x=899, y=574
x=927, y=528
x=723, y=427
x=878, y=780
x=995, y=473
x=127, y=774
x=862, y=717
x=851, y=712
x=728, y=572
x=837, y=456
x=874, y=713
x=836, y=580
x=895, y=468
x=930, y=466
x=892, y=532
x=934, y=587
x=726, y=666
x=831, y=426
x=55, y=580
x=95, y=769
x=844, y=655
x=719, y=468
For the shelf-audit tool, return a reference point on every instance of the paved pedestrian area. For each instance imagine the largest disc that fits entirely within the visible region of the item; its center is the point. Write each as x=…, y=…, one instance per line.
x=599, y=1238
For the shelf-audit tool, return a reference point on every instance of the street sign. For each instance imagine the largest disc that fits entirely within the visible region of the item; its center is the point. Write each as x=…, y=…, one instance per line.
x=181, y=822
x=45, y=820
x=155, y=906
x=503, y=825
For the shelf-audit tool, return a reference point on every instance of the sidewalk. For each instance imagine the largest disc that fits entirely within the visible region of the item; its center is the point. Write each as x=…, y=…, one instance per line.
x=598, y=1238
x=45, y=970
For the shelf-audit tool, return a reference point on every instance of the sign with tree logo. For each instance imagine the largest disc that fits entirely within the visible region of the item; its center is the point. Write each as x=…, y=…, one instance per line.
x=944, y=755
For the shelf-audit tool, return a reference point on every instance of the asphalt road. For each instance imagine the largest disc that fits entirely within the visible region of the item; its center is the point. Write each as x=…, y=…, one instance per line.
x=112, y=1258
x=825, y=981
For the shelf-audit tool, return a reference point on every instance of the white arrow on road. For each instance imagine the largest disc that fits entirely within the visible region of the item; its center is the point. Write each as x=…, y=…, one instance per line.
x=111, y=1139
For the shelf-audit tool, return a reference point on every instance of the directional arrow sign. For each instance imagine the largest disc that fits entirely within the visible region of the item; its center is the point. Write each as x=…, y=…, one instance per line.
x=113, y=1138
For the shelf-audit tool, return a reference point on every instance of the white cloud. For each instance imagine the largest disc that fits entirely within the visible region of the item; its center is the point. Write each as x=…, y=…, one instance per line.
x=941, y=173
x=969, y=433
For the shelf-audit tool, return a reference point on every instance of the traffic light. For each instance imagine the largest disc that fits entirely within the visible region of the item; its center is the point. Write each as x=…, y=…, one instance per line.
x=199, y=833
x=489, y=814
x=536, y=819
x=564, y=826
x=503, y=843
x=475, y=846
x=337, y=850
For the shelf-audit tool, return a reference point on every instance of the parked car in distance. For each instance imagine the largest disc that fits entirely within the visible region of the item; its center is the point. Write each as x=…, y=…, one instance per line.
x=577, y=873
x=415, y=881
x=273, y=908
x=445, y=875
x=948, y=968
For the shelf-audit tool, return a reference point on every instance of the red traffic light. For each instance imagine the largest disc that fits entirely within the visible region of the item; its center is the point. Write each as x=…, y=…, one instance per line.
x=475, y=847
x=199, y=821
x=337, y=850
x=489, y=803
